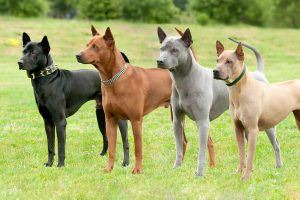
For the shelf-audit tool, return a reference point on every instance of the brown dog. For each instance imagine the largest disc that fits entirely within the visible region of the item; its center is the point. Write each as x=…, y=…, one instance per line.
x=128, y=92
x=254, y=106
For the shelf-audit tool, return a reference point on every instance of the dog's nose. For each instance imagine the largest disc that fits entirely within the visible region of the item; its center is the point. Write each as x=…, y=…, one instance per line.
x=78, y=57
x=160, y=62
x=20, y=63
x=216, y=73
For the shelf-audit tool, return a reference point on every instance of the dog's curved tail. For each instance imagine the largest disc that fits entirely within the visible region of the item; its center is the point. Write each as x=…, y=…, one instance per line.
x=125, y=57
x=259, y=60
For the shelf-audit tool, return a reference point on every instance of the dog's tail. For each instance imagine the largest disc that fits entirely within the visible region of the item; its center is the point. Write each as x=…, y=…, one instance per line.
x=192, y=49
x=125, y=57
x=259, y=60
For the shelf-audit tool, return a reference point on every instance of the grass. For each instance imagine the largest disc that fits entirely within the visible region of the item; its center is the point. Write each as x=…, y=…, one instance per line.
x=23, y=143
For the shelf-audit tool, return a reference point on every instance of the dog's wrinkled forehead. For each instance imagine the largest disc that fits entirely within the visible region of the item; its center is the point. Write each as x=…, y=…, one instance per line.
x=32, y=46
x=171, y=42
x=228, y=54
x=94, y=40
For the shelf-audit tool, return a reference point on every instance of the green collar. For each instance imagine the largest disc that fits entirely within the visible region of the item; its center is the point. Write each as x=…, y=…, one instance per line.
x=237, y=79
x=43, y=72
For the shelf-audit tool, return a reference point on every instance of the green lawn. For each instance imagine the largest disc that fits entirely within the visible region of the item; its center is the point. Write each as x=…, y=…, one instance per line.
x=23, y=145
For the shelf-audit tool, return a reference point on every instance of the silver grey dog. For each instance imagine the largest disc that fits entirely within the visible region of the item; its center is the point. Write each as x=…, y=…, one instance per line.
x=195, y=93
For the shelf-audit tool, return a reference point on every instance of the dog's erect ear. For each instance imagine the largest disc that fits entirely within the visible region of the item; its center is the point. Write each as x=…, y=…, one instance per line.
x=108, y=37
x=25, y=39
x=239, y=52
x=179, y=31
x=187, y=38
x=219, y=47
x=45, y=45
x=94, y=31
x=161, y=34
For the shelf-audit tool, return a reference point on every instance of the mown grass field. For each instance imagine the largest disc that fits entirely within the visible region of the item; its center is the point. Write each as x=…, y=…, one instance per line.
x=23, y=146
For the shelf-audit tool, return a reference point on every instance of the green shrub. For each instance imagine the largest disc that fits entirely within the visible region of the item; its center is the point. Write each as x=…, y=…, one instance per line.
x=153, y=11
x=100, y=9
x=63, y=8
x=202, y=18
x=23, y=8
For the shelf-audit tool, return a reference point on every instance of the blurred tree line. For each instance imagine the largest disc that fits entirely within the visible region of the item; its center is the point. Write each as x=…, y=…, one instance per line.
x=280, y=13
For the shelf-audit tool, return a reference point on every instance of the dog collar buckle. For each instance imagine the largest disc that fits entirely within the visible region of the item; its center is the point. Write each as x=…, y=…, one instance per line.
x=115, y=77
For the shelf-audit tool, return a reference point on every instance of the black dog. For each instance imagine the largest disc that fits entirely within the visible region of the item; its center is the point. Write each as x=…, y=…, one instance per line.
x=60, y=93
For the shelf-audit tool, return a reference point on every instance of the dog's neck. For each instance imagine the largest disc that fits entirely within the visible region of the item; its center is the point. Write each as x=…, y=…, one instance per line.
x=115, y=63
x=49, y=61
x=237, y=88
x=184, y=69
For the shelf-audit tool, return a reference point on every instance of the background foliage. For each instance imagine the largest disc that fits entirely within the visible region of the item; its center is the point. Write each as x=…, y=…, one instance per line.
x=275, y=13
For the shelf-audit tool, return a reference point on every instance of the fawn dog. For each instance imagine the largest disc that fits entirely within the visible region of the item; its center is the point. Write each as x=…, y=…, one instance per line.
x=254, y=106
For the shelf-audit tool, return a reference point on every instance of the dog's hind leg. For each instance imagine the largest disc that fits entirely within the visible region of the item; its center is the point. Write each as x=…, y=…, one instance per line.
x=271, y=133
x=297, y=118
x=101, y=124
x=211, y=152
x=123, y=126
x=50, y=131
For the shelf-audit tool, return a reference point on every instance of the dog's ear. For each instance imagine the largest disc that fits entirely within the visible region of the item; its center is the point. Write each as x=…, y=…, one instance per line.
x=219, y=47
x=45, y=45
x=25, y=38
x=94, y=31
x=108, y=37
x=187, y=38
x=179, y=31
x=161, y=35
x=239, y=52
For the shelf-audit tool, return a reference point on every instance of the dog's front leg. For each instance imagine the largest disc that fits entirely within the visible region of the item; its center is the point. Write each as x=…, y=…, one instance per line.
x=137, y=134
x=203, y=128
x=240, y=138
x=50, y=131
x=61, y=139
x=253, y=132
x=123, y=126
x=111, y=131
x=178, y=121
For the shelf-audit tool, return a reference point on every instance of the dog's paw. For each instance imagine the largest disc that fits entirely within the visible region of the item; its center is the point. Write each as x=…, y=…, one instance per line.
x=137, y=170
x=125, y=163
x=108, y=169
x=102, y=153
x=60, y=164
x=240, y=169
x=200, y=174
x=48, y=164
x=176, y=164
x=246, y=177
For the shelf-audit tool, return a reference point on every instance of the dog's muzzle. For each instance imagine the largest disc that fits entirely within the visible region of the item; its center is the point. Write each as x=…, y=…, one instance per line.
x=160, y=64
x=79, y=58
x=20, y=63
x=217, y=75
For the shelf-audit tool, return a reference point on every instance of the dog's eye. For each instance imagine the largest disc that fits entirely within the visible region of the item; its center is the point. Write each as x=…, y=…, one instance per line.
x=94, y=46
x=228, y=61
x=174, y=50
x=32, y=52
